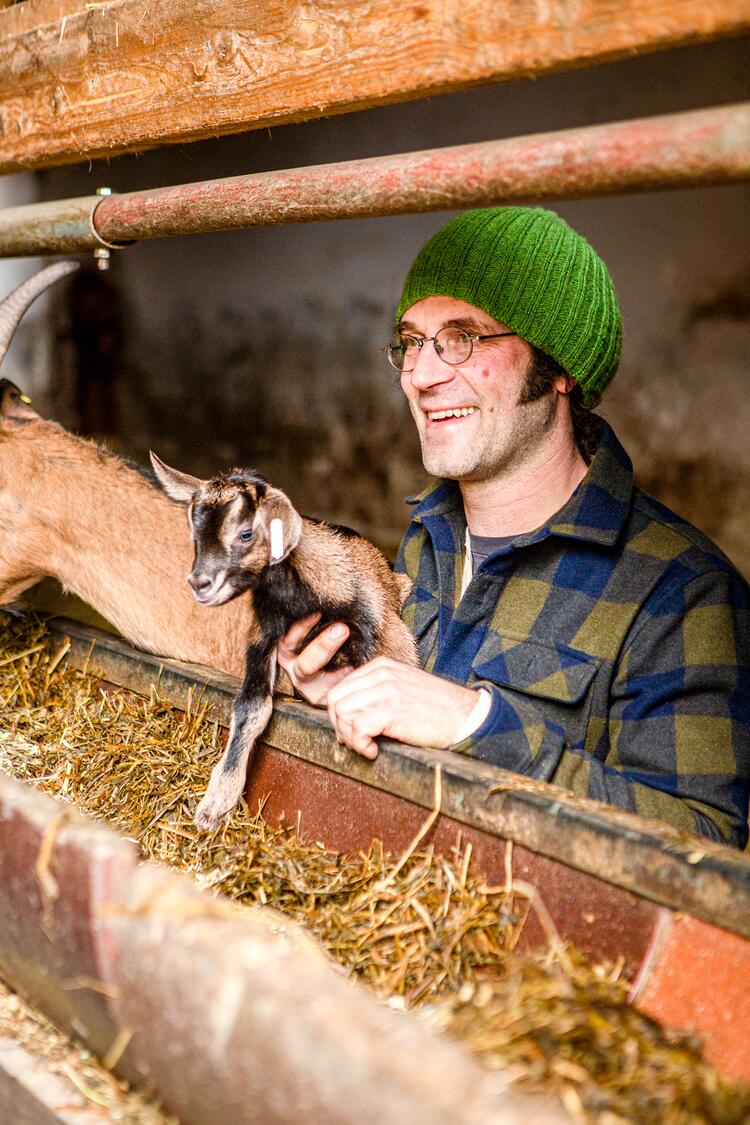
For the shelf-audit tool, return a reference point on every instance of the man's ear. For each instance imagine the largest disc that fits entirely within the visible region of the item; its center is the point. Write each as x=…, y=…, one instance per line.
x=564, y=384
x=14, y=403
x=177, y=485
x=276, y=505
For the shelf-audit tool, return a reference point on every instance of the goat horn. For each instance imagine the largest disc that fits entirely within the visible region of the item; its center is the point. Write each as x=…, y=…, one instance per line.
x=17, y=302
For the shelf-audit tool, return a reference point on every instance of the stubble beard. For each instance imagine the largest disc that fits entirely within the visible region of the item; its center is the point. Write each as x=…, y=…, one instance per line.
x=494, y=455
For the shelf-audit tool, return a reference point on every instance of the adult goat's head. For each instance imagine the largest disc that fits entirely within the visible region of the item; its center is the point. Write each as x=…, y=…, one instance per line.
x=15, y=406
x=240, y=526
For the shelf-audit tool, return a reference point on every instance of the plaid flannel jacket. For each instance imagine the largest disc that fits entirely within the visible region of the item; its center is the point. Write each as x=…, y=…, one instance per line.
x=613, y=640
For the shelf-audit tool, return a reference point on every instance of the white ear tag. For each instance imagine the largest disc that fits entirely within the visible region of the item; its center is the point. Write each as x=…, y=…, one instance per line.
x=277, y=539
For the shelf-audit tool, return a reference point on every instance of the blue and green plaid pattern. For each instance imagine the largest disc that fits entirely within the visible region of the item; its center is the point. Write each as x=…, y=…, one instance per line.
x=614, y=641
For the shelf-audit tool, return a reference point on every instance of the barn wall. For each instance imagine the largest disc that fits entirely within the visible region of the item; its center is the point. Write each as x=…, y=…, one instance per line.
x=28, y=360
x=261, y=347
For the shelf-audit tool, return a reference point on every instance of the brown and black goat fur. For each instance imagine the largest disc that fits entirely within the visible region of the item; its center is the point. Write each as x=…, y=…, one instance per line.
x=324, y=569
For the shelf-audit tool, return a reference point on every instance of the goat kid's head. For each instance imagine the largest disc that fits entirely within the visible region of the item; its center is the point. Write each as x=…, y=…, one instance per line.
x=231, y=518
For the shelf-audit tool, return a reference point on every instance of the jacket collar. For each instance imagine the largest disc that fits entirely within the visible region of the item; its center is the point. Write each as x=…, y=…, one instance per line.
x=595, y=512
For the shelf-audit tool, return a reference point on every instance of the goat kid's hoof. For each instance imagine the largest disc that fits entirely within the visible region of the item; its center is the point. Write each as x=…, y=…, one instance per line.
x=209, y=815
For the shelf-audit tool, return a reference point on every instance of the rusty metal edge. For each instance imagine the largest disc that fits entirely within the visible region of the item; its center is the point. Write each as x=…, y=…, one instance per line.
x=685, y=873
x=32, y=1094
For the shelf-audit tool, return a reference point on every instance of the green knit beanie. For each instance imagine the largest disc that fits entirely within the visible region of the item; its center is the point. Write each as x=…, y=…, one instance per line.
x=528, y=269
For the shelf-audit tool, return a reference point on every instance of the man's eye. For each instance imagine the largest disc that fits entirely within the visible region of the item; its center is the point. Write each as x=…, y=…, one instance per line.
x=410, y=343
x=245, y=536
x=455, y=336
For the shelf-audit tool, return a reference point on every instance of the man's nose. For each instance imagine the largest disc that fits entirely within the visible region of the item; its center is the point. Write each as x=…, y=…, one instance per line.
x=429, y=369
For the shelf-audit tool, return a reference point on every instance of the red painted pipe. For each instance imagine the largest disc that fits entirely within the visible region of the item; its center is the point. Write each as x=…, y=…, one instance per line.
x=700, y=147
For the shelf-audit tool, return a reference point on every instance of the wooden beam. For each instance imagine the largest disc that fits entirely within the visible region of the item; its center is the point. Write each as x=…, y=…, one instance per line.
x=80, y=80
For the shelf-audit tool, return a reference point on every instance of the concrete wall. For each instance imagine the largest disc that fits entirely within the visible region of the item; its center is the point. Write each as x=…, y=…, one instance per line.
x=261, y=347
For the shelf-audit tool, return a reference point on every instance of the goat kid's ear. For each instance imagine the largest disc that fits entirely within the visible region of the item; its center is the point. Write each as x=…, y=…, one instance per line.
x=276, y=505
x=14, y=403
x=180, y=486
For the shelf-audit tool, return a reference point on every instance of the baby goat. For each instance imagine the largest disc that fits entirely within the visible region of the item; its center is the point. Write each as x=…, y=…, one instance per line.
x=247, y=536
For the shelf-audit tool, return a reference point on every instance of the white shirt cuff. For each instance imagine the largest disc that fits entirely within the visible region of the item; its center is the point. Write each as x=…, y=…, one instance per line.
x=479, y=713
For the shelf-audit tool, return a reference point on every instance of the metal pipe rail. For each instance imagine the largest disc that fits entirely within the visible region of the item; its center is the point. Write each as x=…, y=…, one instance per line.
x=696, y=148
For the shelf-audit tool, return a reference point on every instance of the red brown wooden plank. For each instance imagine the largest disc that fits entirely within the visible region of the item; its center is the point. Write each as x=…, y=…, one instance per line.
x=603, y=921
x=232, y=1015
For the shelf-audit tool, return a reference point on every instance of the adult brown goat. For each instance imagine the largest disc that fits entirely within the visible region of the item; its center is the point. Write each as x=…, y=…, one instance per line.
x=78, y=513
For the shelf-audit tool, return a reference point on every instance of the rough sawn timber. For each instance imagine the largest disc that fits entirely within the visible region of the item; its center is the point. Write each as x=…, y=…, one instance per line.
x=80, y=80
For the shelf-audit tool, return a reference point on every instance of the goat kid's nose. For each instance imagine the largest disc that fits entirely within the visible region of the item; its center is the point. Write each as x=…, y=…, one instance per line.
x=199, y=582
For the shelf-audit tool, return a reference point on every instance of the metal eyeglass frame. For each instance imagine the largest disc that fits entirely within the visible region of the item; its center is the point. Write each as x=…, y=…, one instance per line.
x=391, y=350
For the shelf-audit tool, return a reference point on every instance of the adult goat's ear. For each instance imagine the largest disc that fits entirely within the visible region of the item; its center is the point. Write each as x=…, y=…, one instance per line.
x=180, y=486
x=276, y=505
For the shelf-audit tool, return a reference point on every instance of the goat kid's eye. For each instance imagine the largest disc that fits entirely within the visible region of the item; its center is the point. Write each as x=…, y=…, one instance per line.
x=245, y=536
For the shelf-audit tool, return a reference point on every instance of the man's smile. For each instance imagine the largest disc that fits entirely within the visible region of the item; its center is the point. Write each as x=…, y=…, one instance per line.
x=450, y=412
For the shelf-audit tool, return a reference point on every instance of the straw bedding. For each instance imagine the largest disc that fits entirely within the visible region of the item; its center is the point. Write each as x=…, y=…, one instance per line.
x=421, y=930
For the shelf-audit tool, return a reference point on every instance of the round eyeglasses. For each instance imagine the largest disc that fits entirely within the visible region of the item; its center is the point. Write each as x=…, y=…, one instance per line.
x=452, y=345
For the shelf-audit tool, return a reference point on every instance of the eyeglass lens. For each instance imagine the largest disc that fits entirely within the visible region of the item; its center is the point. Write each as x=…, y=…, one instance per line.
x=451, y=344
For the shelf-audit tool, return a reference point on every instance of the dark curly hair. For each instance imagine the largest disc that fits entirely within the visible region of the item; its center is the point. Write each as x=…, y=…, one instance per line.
x=539, y=381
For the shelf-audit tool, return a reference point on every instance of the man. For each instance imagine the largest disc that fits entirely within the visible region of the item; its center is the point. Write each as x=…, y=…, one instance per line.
x=572, y=629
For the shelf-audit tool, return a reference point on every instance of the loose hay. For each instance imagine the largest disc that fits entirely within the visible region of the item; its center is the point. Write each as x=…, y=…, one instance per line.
x=420, y=931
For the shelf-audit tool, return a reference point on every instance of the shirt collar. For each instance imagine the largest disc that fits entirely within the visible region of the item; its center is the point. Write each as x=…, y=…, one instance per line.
x=594, y=513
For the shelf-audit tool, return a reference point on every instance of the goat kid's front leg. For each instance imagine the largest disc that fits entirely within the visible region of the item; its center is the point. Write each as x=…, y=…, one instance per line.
x=251, y=712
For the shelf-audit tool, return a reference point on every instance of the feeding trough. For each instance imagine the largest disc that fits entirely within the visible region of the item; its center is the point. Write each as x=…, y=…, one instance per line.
x=564, y=883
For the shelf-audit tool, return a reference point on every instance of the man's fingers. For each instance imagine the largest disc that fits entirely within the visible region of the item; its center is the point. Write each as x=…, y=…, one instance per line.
x=368, y=699
x=317, y=687
x=357, y=740
x=368, y=677
x=317, y=654
x=297, y=632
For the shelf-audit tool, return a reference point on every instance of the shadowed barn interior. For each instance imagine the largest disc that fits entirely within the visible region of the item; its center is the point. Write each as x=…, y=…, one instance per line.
x=261, y=347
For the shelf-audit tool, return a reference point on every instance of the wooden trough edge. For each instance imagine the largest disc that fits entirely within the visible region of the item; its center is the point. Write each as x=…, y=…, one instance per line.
x=685, y=873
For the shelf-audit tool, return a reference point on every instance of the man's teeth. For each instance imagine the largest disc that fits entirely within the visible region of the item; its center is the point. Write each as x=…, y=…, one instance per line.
x=461, y=412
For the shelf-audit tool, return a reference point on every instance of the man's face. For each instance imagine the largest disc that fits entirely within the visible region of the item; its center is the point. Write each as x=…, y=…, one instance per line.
x=497, y=429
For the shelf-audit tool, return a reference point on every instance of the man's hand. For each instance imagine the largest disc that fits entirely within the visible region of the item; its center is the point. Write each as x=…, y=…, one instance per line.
x=305, y=669
x=387, y=698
